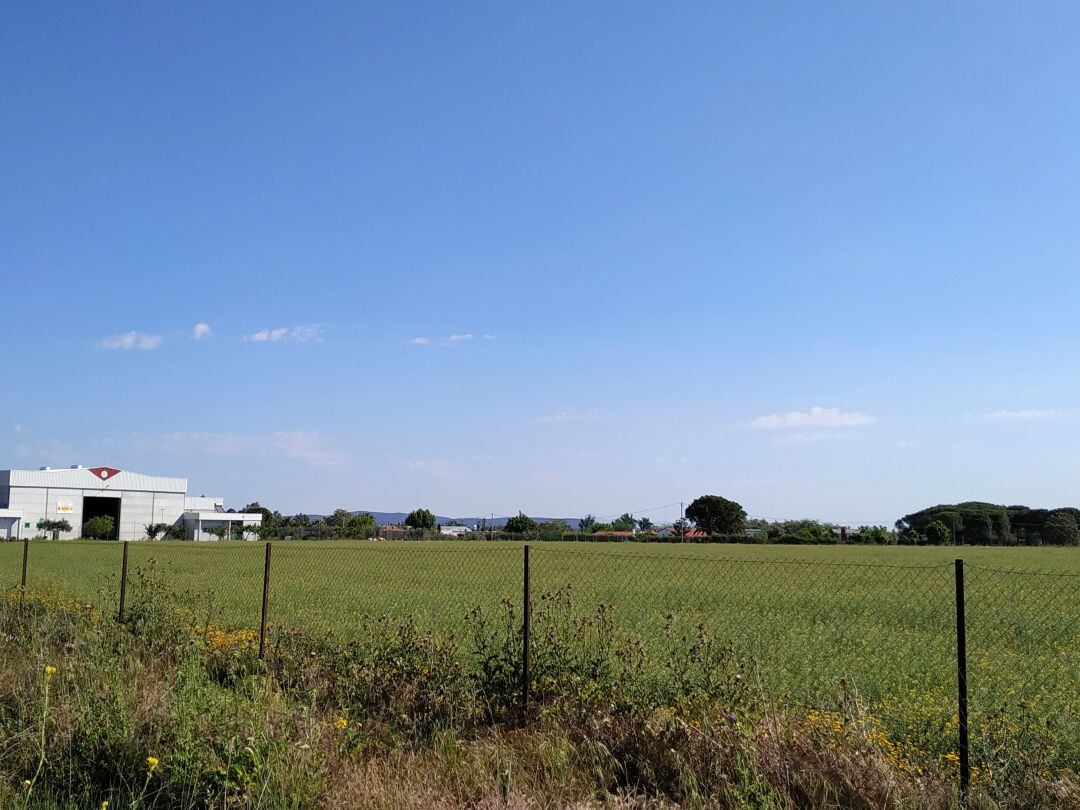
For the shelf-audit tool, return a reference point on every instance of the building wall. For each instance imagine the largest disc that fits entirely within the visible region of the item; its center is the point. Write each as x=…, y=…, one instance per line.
x=137, y=509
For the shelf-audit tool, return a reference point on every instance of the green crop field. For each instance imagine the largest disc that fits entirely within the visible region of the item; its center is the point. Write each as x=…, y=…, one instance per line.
x=883, y=619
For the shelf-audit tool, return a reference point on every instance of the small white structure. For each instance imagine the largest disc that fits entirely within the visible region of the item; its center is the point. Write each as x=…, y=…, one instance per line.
x=133, y=500
x=454, y=531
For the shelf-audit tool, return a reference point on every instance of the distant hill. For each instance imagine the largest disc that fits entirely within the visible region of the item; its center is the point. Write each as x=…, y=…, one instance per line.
x=389, y=518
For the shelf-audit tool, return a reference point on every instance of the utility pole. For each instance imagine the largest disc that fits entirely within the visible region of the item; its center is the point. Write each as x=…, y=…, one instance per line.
x=682, y=523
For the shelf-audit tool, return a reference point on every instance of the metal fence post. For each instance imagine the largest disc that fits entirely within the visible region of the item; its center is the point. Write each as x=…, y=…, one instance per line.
x=526, y=636
x=265, y=603
x=123, y=585
x=25, y=555
x=962, y=684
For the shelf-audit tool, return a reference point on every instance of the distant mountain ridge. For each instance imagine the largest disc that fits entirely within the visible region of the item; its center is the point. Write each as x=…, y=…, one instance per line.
x=393, y=518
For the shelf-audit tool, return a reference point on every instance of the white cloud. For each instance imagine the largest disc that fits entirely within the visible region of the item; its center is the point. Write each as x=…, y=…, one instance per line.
x=287, y=334
x=421, y=341
x=201, y=331
x=568, y=415
x=815, y=417
x=1027, y=415
x=813, y=438
x=306, y=446
x=131, y=340
x=461, y=338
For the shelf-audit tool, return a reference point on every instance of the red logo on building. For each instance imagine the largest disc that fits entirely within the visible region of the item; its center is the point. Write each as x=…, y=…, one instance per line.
x=104, y=473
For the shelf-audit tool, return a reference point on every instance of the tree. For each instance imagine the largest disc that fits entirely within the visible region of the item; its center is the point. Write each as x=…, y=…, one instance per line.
x=100, y=527
x=624, y=523
x=341, y=517
x=520, y=524
x=363, y=525
x=553, y=530
x=938, y=533
x=716, y=515
x=219, y=532
x=645, y=525
x=54, y=526
x=586, y=523
x=1061, y=529
x=878, y=535
x=176, y=531
x=154, y=530
x=420, y=519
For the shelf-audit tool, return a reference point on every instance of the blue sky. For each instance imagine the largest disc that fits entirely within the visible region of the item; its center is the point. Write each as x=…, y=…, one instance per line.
x=568, y=258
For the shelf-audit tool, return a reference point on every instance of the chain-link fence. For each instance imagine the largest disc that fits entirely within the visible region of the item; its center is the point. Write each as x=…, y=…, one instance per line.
x=819, y=634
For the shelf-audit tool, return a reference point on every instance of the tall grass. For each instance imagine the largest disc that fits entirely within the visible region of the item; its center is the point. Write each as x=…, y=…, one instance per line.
x=167, y=711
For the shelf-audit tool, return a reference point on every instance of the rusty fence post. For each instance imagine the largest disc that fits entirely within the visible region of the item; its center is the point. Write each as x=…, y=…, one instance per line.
x=526, y=637
x=123, y=585
x=962, y=685
x=265, y=603
x=25, y=555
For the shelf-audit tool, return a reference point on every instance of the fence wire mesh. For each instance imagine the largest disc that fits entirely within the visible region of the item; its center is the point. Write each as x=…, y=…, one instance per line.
x=817, y=632
x=1024, y=666
x=332, y=587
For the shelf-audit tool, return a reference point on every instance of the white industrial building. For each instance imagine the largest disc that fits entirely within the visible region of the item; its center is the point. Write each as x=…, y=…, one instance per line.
x=133, y=500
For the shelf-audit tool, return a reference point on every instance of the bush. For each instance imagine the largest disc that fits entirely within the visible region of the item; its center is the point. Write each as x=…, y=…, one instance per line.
x=101, y=527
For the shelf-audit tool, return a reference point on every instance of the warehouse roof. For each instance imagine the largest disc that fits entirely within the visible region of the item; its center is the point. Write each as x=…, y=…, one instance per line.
x=101, y=478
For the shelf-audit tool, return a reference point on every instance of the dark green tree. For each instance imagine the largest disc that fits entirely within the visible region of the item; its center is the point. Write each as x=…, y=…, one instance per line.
x=420, y=519
x=645, y=525
x=155, y=530
x=938, y=533
x=1061, y=529
x=716, y=515
x=100, y=527
x=586, y=524
x=553, y=530
x=54, y=526
x=624, y=523
x=339, y=518
x=878, y=535
x=520, y=524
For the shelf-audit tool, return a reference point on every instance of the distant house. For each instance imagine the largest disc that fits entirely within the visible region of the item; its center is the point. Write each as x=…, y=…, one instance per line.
x=454, y=531
x=393, y=531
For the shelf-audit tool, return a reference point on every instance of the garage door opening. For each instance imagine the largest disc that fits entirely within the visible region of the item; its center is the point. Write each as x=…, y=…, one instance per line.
x=98, y=508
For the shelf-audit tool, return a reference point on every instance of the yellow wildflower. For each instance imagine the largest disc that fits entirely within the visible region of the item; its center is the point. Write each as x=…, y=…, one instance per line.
x=152, y=763
x=50, y=671
x=105, y=805
x=26, y=783
x=341, y=723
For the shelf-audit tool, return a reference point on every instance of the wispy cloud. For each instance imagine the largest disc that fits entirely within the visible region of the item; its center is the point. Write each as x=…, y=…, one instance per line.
x=287, y=334
x=420, y=341
x=813, y=438
x=1025, y=415
x=307, y=446
x=201, y=331
x=815, y=417
x=131, y=340
x=461, y=338
x=569, y=415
